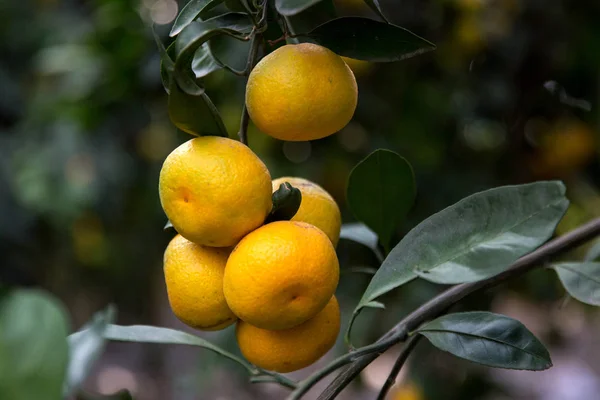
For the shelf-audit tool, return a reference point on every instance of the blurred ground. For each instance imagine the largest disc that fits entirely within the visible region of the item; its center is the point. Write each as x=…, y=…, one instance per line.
x=511, y=95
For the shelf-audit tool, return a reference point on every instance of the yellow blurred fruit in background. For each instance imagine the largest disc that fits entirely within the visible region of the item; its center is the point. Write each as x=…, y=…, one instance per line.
x=567, y=147
x=291, y=349
x=215, y=190
x=407, y=391
x=194, y=279
x=281, y=275
x=301, y=92
x=318, y=208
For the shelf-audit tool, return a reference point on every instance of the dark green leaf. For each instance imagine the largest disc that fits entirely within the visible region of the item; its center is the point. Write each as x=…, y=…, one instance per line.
x=85, y=347
x=475, y=238
x=581, y=280
x=370, y=40
x=190, y=12
x=360, y=233
x=153, y=334
x=196, y=115
x=374, y=4
x=166, y=63
x=381, y=191
x=489, y=339
x=33, y=346
x=212, y=4
x=292, y=7
x=318, y=13
x=593, y=254
x=286, y=202
x=194, y=35
x=204, y=61
x=238, y=5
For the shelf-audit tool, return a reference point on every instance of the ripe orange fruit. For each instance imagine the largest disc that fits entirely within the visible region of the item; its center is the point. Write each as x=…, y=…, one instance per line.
x=194, y=278
x=291, y=349
x=301, y=92
x=318, y=208
x=281, y=275
x=215, y=190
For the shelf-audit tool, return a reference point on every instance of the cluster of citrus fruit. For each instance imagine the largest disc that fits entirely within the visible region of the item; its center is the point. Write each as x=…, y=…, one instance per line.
x=276, y=280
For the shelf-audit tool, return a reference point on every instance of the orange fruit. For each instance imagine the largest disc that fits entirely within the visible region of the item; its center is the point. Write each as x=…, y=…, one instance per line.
x=215, y=190
x=318, y=208
x=194, y=279
x=301, y=92
x=291, y=349
x=281, y=275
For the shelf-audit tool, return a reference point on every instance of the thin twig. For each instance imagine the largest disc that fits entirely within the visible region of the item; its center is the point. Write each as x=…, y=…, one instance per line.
x=441, y=302
x=339, y=362
x=404, y=353
x=273, y=377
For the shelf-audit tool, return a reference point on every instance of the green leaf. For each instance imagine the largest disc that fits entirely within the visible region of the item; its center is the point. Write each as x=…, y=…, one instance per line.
x=204, y=61
x=318, y=13
x=374, y=4
x=166, y=63
x=487, y=232
x=475, y=238
x=212, y=4
x=33, y=346
x=370, y=40
x=489, y=339
x=593, y=254
x=381, y=191
x=238, y=5
x=189, y=13
x=375, y=304
x=581, y=280
x=292, y=7
x=286, y=202
x=153, y=334
x=85, y=347
x=360, y=233
x=195, y=34
x=194, y=114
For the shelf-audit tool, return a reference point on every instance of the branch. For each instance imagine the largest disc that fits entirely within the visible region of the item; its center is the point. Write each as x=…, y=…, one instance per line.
x=404, y=353
x=273, y=377
x=375, y=348
x=441, y=302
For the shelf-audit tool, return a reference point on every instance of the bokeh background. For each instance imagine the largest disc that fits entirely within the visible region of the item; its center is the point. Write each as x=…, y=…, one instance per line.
x=510, y=95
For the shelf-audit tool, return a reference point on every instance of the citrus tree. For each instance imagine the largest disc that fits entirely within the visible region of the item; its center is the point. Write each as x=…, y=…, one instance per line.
x=260, y=252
